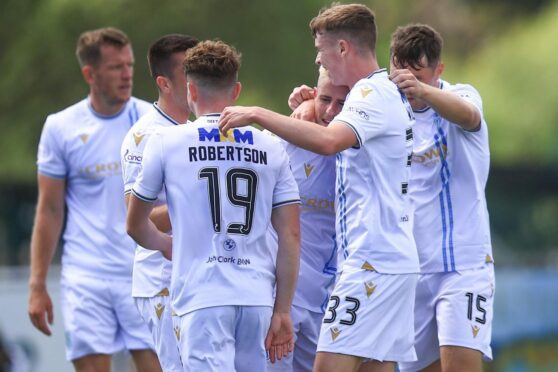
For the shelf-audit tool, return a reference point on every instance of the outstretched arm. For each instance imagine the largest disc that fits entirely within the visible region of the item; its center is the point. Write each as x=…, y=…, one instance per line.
x=280, y=337
x=328, y=140
x=447, y=104
x=44, y=240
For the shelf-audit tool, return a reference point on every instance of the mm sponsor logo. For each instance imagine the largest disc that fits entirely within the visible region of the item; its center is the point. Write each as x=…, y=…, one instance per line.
x=233, y=135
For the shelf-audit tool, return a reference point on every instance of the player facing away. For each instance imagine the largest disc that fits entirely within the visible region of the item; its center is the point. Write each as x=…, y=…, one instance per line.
x=369, y=320
x=315, y=177
x=455, y=293
x=152, y=272
x=223, y=192
x=79, y=168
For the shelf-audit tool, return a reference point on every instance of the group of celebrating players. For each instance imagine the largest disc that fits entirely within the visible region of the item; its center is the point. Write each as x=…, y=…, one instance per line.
x=352, y=235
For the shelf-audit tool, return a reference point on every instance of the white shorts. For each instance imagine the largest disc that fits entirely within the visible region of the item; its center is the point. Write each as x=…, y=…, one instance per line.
x=100, y=317
x=306, y=326
x=370, y=315
x=157, y=313
x=453, y=309
x=224, y=338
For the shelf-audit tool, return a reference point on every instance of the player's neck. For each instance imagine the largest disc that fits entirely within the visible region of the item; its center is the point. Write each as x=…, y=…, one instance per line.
x=211, y=106
x=360, y=69
x=103, y=107
x=174, y=111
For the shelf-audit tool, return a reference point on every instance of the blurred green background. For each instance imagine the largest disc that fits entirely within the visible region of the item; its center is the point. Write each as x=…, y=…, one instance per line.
x=507, y=49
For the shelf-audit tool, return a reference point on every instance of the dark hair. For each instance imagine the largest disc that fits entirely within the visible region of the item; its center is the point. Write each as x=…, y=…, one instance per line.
x=409, y=44
x=158, y=56
x=353, y=21
x=212, y=64
x=89, y=44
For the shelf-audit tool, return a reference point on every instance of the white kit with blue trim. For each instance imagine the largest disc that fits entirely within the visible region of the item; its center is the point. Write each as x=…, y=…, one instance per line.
x=447, y=188
x=373, y=214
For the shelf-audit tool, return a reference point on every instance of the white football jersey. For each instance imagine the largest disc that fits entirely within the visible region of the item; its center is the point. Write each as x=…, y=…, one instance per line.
x=315, y=177
x=373, y=227
x=83, y=147
x=448, y=178
x=152, y=272
x=220, y=193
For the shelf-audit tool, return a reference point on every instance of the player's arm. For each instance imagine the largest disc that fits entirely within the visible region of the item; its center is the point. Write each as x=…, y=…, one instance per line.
x=49, y=219
x=328, y=140
x=280, y=338
x=447, y=104
x=143, y=230
x=301, y=94
x=159, y=215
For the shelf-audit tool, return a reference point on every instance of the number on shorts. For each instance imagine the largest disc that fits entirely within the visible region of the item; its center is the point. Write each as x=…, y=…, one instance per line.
x=332, y=308
x=246, y=201
x=351, y=311
x=479, y=302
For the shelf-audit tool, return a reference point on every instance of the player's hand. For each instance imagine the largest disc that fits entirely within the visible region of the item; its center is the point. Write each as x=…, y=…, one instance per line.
x=407, y=83
x=279, y=341
x=301, y=94
x=40, y=309
x=236, y=116
x=305, y=111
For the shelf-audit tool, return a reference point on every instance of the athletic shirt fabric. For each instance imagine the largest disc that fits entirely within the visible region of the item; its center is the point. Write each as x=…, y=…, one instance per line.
x=373, y=211
x=83, y=147
x=315, y=177
x=447, y=188
x=152, y=272
x=220, y=193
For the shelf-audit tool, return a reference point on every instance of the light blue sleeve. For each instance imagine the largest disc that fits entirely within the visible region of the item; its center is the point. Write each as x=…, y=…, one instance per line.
x=51, y=159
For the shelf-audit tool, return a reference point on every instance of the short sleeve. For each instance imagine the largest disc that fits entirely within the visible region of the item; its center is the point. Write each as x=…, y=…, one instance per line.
x=149, y=181
x=50, y=155
x=131, y=155
x=470, y=94
x=363, y=112
x=286, y=189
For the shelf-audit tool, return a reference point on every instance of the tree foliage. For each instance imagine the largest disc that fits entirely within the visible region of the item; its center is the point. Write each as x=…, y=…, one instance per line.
x=41, y=75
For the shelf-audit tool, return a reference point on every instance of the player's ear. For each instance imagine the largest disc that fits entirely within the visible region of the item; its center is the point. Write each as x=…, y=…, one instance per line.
x=440, y=69
x=236, y=90
x=162, y=83
x=87, y=73
x=343, y=46
x=192, y=91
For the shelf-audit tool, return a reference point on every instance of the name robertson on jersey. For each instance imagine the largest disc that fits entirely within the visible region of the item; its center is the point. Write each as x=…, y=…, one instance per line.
x=227, y=152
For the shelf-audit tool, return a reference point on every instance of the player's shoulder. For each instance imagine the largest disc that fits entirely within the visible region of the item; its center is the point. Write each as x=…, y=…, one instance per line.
x=69, y=115
x=375, y=84
x=140, y=104
x=461, y=89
